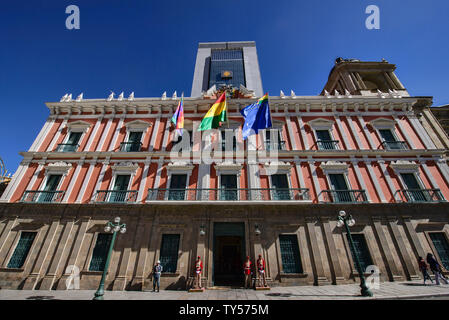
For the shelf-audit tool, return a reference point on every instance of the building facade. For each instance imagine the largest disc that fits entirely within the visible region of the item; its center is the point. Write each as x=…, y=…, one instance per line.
x=359, y=146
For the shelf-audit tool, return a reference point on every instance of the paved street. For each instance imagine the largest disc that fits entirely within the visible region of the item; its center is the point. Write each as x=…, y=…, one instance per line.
x=388, y=290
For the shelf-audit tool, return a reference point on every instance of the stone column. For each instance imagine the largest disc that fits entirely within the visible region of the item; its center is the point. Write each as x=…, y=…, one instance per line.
x=74, y=256
x=4, y=246
x=36, y=273
x=49, y=279
x=405, y=257
x=317, y=261
x=413, y=236
x=390, y=264
x=335, y=262
x=143, y=234
x=128, y=241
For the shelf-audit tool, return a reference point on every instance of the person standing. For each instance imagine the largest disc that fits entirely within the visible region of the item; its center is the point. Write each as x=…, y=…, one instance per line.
x=423, y=267
x=261, y=271
x=436, y=269
x=247, y=272
x=198, y=272
x=157, y=270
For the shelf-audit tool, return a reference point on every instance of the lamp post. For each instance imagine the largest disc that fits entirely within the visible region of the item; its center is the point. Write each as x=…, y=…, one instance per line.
x=114, y=227
x=347, y=221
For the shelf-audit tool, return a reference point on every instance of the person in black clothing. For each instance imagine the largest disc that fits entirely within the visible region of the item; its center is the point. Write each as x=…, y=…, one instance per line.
x=436, y=269
x=423, y=267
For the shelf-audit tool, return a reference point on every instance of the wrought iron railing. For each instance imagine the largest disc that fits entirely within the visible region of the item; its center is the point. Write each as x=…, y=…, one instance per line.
x=343, y=196
x=240, y=194
x=130, y=146
x=419, y=195
x=115, y=196
x=395, y=145
x=274, y=145
x=327, y=144
x=40, y=196
x=67, y=147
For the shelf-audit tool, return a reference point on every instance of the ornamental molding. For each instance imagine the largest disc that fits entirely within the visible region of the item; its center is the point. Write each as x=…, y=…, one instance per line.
x=276, y=167
x=403, y=165
x=138, y=124
x=59, y=167
x=128, y=167
x=382, y=123
x=334, y=166
x=78, y=126
x=320, y=123
x=180, y=166
x=228, y=167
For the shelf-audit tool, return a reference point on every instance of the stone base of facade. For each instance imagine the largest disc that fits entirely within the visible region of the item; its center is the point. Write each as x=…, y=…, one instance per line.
x=66, y=234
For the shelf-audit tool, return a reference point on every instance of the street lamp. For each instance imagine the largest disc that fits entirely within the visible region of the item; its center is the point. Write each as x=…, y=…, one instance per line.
x=347, y=221
x=114, y=227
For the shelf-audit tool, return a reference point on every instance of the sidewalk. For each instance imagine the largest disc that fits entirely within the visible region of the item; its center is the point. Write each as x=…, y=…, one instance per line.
x=387, y=290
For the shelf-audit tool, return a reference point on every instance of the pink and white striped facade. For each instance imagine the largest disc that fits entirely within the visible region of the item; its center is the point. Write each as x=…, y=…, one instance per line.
x=353, y=121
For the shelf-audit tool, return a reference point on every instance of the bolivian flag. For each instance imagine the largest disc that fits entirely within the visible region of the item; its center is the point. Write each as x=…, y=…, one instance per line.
x=215, y=115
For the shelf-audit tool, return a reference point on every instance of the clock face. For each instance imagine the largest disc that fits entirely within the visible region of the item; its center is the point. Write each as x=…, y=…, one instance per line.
x=226, y=74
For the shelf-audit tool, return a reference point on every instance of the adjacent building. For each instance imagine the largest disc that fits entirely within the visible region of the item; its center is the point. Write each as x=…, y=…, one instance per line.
x=360, y=146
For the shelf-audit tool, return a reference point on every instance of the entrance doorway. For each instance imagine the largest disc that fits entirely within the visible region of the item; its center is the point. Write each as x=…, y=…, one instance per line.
x=229, y=253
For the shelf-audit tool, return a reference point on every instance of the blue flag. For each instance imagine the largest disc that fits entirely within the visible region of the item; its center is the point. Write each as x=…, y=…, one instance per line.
x=257, y=116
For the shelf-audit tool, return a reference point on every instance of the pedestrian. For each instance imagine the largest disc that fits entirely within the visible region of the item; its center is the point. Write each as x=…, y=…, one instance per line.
x=157, y=270
x=436, y=269
x=247, y=272
x=261, y=271
x=198, y=272
x=423, y=267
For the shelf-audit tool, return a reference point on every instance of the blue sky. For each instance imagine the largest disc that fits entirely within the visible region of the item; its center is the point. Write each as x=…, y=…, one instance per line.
x=150, y=46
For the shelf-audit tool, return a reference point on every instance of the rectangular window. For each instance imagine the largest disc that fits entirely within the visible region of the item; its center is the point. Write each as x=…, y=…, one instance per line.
x=228, y=187
x=361, y=248
x=169, y=252
x=270, y=139
x=48, y=194
x=223, y=140
x=441, y=245
x=177, y=187
x=387, y=135
x=22, y=249
x=389, y=140
x=291, y=261
x=229, y=63
x=72, y=143
x=133, y=143
x=324, y=140
x=339, y=185
x=280, y=187
x=101, y=251
x=120, y=188
x=413, y=188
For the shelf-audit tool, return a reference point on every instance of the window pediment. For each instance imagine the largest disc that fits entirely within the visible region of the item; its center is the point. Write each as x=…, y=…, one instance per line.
x=334, y=166
x=78, y=126
x=403, y=166
x=277, y=167
x=228, y=168
x=180, y=167
x=59, y=167
x=138, y=125
x=382, y=123
x=321, y=123
x=125, y=167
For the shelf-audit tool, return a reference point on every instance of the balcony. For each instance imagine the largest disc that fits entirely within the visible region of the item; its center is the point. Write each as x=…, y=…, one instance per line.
x=419, y=195
x=274, y=145
x=327, y=144
x=130, y=146
x=115, y=196
x=40, y=196
x=190, y=194
x=395, y=145
x=67, y=147
x=344, y=196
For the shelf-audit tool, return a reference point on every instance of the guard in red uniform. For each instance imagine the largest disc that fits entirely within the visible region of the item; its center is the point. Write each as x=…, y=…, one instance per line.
x=261, y=271
x=247, y=272
x=198, y=271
